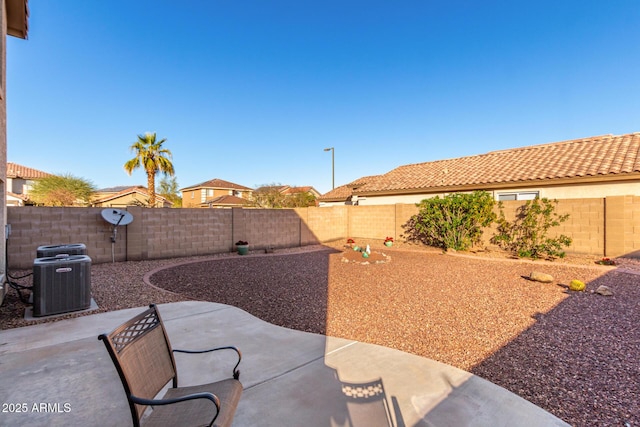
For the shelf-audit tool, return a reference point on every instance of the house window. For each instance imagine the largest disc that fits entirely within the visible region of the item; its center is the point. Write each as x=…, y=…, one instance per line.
x=525, y=195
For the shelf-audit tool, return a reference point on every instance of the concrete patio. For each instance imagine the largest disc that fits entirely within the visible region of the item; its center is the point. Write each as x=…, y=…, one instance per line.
x=62, y=375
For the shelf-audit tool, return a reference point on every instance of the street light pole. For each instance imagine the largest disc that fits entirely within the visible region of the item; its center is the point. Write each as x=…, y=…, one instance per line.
x=333, y=167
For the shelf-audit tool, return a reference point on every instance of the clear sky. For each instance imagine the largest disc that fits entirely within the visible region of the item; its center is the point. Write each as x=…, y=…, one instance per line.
x=252, y=91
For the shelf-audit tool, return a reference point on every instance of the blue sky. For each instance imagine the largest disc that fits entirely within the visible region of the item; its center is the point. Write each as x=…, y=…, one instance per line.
x=253, y=91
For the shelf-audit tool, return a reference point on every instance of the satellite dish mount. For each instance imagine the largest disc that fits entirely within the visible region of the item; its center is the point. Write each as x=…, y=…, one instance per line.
x=116, y=217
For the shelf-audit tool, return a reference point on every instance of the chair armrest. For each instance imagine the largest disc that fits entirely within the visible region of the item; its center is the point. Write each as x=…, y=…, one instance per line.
x=154, y=402
x=236, y=371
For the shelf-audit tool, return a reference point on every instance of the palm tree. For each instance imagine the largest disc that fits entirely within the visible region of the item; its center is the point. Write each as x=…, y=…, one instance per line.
x=153, y=159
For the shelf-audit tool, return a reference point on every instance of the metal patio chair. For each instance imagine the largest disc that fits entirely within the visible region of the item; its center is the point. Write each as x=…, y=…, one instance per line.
x=142, y=354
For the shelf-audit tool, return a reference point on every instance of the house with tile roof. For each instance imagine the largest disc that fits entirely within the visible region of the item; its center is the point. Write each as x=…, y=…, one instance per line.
x=270, y=196
x=288, y=190
x=20, y=179
x=343, y=194
x=195, y=196
x=118, y=197
x=292, y=191
x=226, y=201
x=599, y=166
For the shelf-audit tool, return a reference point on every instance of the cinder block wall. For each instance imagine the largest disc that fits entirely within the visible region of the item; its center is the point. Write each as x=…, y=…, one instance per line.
x=403, y=214
x=585, y=225
x=324, y=224
x=278, y=228
x=599, y=227
x=165, y=233
x=622, y=225
x=38, y=226
x=169, y=233
x=374, y=222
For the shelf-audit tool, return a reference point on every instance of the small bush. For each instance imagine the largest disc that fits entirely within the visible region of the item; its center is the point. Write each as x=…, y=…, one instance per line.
x=527, y=235
x=455, y=221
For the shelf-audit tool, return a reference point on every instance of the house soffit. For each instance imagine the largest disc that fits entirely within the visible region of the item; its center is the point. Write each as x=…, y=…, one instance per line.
x=17, y=18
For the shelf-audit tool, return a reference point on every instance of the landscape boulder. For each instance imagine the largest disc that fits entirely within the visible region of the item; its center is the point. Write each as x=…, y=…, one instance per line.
x=541, y=277
x=604, y=290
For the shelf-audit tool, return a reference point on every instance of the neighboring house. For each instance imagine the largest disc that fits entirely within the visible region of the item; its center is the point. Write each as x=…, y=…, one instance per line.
x=309, y=193
x=287, y=190
x=14, y=21
x=122, y=196
x=196, y=196
x=291, y=191
x=343, y=194
x=226, y=202
x=599, y=166
x=20, y=179
x=269, y=188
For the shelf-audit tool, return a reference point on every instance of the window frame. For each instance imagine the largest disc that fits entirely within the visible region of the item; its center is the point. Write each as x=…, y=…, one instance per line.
x=518, y=195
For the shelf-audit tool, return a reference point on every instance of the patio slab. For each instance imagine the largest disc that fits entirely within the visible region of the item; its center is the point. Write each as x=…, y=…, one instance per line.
x=62, y=376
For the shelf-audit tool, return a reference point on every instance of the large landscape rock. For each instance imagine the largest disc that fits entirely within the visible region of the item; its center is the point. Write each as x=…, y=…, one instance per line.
x=541, y=277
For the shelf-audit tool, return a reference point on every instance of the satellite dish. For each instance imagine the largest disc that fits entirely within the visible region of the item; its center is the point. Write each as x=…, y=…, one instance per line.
x=116, y=216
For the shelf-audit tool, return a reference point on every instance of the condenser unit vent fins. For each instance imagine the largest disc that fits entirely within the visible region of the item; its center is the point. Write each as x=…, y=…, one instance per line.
x=61, y=285
x=61, y=250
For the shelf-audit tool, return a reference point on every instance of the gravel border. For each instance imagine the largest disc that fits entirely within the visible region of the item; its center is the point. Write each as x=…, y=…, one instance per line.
x=574, y=354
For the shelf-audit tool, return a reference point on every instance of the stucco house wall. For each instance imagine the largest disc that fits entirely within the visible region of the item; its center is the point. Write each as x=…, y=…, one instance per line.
x=3, y=145
x=559, y=192
x=196, y=195
x=14, y=21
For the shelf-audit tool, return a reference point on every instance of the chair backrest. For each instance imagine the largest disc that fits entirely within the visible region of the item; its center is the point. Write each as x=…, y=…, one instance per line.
x=142, y=354
x=367, y=403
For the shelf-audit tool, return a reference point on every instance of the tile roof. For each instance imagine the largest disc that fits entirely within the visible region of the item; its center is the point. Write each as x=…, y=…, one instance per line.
x=268, y=188
x=597, y=156
x=344, y=192
x=296, y=190
x=227, y=200
x=127, y=190
x=15, y=170
x=286, y=189
x=118, y=188
x=217, y=183
x=341, y=193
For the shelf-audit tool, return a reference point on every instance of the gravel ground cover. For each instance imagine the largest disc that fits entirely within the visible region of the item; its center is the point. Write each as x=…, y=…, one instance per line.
x=575, y=354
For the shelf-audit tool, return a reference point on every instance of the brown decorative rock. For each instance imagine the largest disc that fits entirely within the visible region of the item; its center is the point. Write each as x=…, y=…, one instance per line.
x=604, y=290
x=540, y=277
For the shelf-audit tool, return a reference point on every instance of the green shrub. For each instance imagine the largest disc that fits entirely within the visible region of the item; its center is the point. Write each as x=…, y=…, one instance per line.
x=455, y=221
x=527, y=235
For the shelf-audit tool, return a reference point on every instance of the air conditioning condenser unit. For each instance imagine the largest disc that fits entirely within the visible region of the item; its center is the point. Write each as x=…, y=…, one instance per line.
x=61, y=285
x=61, y=250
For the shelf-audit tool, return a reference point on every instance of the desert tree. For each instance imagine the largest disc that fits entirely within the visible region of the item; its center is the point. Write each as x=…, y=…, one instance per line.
x=61, y=190
x=169, y=189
